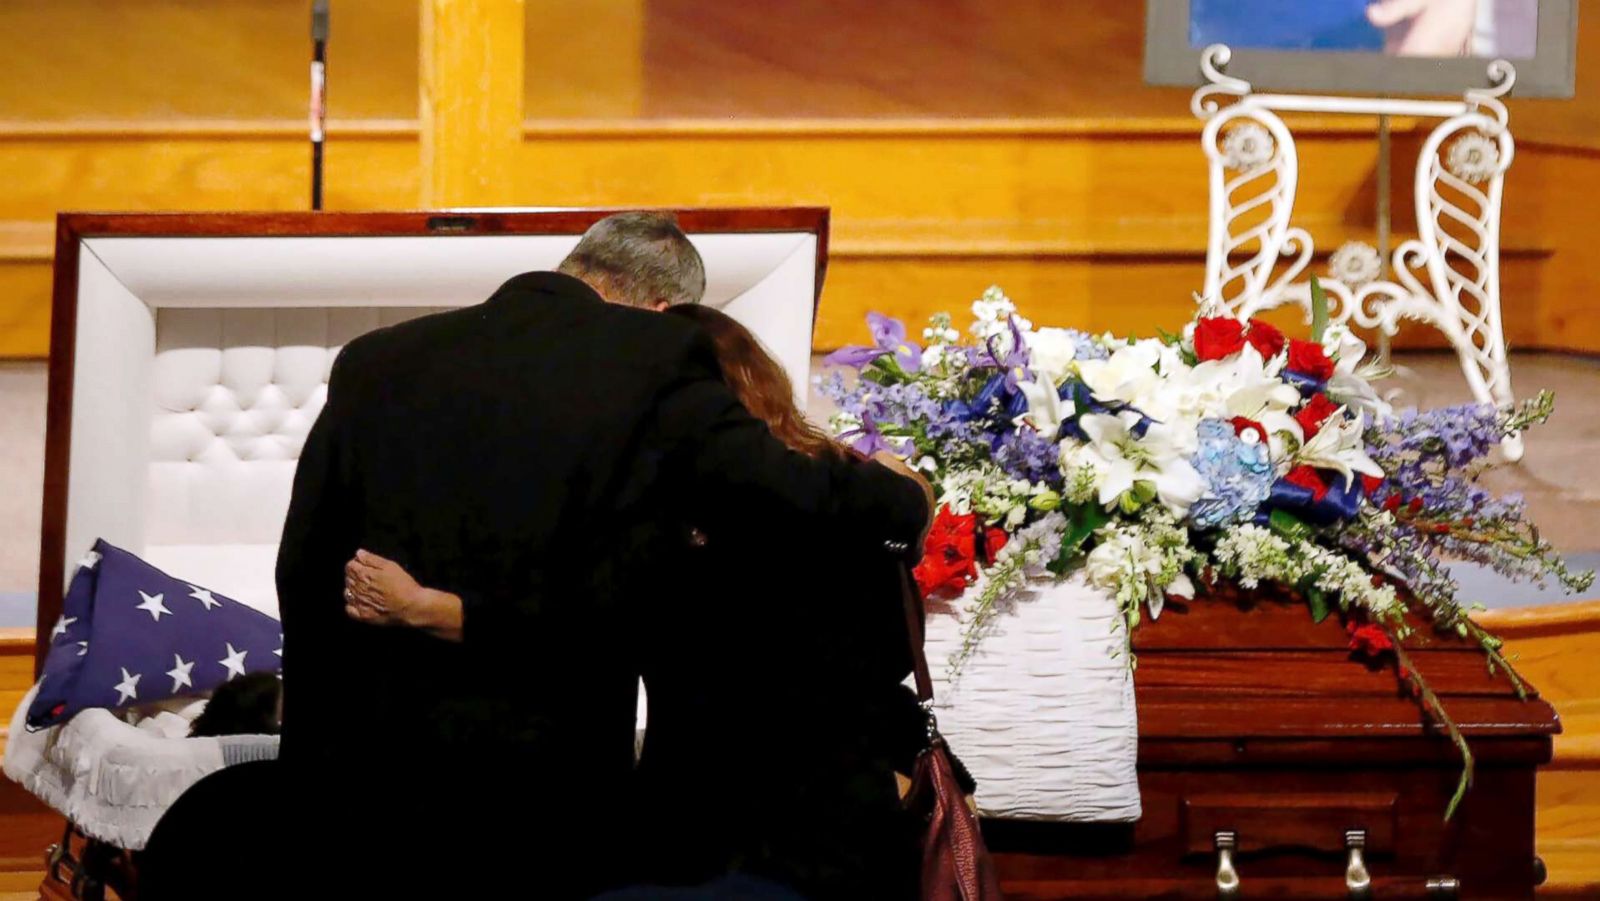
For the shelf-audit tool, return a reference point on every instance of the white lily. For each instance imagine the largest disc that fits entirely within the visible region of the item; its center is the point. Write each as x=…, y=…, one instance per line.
x=1122, y=459
x=1357, y=393
x=1253, y=388
x=1046, y=410
x=1343, y=346
x=1340, y=447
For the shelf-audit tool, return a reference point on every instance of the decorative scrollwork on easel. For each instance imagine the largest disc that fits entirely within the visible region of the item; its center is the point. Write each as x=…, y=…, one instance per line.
x=1448, y=276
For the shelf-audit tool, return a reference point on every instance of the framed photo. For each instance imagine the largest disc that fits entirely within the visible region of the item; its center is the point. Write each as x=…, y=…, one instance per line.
x=1391, y=47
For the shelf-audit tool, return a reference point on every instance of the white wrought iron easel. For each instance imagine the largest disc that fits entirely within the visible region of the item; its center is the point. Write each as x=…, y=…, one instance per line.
x=1448, y=276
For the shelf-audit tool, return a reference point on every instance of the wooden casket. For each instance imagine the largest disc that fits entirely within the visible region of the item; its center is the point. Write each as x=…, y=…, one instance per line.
x=1274, y=763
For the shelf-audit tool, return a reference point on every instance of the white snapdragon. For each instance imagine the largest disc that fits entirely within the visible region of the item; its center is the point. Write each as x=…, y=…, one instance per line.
x=1254, y=555
x=988, y=491
x=1142, y=563
x=992, y=316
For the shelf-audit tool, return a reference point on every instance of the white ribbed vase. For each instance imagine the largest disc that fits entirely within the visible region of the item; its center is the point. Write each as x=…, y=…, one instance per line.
x=1043, y=712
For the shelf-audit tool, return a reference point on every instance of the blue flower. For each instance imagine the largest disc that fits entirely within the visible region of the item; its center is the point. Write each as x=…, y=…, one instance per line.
x=889, y=337
x=1238, y=476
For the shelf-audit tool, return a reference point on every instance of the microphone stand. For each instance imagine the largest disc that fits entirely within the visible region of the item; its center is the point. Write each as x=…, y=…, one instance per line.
x=319, y=95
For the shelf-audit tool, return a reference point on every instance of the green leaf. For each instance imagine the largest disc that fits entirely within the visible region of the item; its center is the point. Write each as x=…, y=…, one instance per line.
x=1319, y=604
x=1064, y=562
x=1288, y=525
x=1082, y=521
x=1319, y=310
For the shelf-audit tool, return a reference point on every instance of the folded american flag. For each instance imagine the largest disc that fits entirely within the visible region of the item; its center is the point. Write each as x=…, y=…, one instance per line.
x=131, y=634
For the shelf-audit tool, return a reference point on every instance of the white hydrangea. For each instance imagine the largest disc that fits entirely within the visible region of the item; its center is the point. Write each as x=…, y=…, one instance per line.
x=1051, y=352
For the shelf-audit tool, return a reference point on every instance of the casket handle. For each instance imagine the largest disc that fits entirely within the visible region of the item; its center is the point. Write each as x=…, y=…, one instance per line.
x=1444, y=887
x=1357, y=881
x=1227, y=874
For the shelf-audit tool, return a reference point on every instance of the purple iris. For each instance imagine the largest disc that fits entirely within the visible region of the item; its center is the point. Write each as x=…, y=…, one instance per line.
x=889, y=337
x=869, y=440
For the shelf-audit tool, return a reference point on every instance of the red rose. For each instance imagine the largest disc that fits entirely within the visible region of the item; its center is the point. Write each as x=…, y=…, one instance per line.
x=1265, y=338
x=1308, y=358
x=993, y=540
x=1308, y=478
x=1216, y=337
x=949, y=557
x=1315, y=413
x=1369, y=639
x=1370, y=484
x=1242, y=424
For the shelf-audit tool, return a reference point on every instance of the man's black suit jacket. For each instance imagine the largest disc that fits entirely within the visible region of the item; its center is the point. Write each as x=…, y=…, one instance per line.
x=512, y=452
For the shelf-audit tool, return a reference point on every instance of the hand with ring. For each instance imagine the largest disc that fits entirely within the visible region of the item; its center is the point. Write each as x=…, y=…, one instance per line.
x=380, y=592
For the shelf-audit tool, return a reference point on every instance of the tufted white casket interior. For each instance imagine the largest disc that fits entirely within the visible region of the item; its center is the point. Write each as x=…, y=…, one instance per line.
x=201, y=363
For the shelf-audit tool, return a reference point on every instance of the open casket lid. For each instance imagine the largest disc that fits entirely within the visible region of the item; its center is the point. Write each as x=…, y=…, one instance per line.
x=189, y=354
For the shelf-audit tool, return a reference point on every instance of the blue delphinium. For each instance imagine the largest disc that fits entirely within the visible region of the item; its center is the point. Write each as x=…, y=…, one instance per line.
x=1238, y=475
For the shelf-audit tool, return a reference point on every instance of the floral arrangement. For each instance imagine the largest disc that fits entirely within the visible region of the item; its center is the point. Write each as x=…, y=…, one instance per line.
x=1229, y=452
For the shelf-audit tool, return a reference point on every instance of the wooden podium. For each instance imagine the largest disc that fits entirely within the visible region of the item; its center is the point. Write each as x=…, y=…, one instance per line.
x=1267, y=750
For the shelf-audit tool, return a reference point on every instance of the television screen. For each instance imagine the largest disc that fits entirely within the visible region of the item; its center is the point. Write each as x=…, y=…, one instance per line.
x=1486, y=29
x=1368, y=46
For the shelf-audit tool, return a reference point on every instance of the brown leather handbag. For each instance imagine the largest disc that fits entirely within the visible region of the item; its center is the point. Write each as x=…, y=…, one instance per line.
x=955, y=863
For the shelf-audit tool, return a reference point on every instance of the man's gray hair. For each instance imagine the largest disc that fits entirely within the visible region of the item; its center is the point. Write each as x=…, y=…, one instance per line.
x=639, y=259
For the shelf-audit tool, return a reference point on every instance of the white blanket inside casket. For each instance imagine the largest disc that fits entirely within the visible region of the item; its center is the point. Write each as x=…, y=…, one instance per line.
x=114, y=778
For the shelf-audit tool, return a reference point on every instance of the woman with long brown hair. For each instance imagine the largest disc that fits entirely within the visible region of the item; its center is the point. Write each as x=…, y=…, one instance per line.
x=773, y=666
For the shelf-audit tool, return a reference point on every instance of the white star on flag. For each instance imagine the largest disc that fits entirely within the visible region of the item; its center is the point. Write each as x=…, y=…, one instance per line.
x=204, y=597
x=279, y=651
x=234, y=661
x=128, y=688
x=61, y=626
x=83, y=649
x=180, y=674
x=152, y=603
x=89, y=560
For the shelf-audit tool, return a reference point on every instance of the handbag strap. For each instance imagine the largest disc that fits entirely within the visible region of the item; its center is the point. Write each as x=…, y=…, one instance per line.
x=912, y=599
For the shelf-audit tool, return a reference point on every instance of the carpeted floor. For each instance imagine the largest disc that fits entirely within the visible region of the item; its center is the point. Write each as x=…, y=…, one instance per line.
x=1556, y=477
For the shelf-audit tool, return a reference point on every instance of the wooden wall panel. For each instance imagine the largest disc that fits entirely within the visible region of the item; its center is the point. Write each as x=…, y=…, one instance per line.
x=1014, y=170
x=1557, y=649
x=199, y=166
x=245, y=166
x=175, y=60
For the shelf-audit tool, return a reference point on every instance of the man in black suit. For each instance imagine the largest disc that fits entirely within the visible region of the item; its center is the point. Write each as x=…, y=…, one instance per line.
x=506, y=453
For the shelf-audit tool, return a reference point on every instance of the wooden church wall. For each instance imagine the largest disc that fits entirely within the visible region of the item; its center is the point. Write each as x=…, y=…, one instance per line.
x=959, y=143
